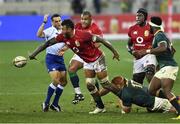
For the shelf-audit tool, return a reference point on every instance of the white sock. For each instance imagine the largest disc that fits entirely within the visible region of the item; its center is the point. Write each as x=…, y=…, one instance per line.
x=60, y=86
x=77, y=90
x=52, y=86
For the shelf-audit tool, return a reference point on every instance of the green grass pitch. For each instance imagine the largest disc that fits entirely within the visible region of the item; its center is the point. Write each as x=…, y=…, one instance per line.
x=23, y=90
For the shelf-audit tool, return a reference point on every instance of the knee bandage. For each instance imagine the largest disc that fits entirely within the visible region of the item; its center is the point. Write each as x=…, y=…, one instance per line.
x=91, y=80
x=150, y=70
x=91, y=85
x=105, y=81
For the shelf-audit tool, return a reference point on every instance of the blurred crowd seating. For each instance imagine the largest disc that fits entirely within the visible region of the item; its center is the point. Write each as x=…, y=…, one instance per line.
x=71, y=7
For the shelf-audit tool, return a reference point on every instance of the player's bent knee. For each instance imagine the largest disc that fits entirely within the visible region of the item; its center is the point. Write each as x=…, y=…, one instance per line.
x=55, y=81
x=150, y=70
x=63, y=83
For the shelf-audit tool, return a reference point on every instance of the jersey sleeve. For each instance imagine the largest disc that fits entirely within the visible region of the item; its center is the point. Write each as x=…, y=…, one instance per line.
x=97, y=31
x=77, y=25
x=161, y=39
x=127, y=102
x=129, y=31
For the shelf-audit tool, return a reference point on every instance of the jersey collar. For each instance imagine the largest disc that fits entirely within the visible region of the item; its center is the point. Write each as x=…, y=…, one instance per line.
x=157, y=32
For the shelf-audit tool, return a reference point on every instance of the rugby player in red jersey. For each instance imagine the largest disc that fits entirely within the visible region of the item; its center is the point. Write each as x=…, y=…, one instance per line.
x=82, y=43
x=76, y=63
x=140, y=38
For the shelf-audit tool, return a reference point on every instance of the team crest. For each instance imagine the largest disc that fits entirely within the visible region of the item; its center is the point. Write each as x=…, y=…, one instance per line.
x=135, y=32
x=146, y=33
x=77, y=43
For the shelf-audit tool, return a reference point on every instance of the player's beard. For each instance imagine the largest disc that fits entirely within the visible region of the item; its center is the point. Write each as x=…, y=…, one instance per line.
x=67, y=35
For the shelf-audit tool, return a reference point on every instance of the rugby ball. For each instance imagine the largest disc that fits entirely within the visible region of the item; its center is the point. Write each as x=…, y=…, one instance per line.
x=19, y=61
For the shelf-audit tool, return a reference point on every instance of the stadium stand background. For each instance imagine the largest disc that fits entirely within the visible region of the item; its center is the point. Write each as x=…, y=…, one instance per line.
x=64, y=6
x=113, y=16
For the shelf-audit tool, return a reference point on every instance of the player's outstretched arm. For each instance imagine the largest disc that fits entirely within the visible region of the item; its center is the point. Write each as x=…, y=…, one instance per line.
x=108, y=45
x=41, y=48
x=41, y=28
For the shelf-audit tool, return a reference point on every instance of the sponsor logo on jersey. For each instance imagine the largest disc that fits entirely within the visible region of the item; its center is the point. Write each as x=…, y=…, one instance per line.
x=139, y=40
x=77, y=43
x=146, y=33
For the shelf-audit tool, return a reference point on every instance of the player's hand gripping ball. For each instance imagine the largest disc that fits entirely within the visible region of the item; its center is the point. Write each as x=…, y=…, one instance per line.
x=19, y=61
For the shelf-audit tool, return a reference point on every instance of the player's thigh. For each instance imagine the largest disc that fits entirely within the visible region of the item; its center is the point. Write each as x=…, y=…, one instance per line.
x=63, y=77
x=138, y=66
x=89, y=73
x=75, y=65
x=154, y=85
x=167, y=85
x=101, y=75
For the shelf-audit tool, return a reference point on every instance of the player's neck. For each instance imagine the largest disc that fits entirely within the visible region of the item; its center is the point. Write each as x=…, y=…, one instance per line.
x=142, y=24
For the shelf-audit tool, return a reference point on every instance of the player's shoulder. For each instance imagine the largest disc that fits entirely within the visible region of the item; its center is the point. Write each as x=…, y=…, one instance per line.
x=50, y=29
x=60, y=37
x=82, y=34
x=133, y=27
x=160, y=35
x=78, y=25
x=147, y=25
x=94, y=25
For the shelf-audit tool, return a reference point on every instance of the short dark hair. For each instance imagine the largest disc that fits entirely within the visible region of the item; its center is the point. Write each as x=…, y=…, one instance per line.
x=144, y=12
x=68, y=23
x=156, y=20
x=86, y=13
x=54, y=15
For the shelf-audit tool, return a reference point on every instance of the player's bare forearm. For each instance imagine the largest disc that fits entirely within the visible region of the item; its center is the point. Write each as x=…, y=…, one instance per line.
x=41, y=48
x=160, y=49
x=62, y=51
x=40, y=31
x=41, y=28
x=156, y=51
x=109, y=46
x=129, y=46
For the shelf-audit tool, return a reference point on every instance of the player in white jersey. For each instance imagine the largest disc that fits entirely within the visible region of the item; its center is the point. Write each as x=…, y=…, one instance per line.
x=54, y=62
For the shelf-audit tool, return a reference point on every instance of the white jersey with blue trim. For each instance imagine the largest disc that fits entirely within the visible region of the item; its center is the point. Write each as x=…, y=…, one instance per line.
x=50, y=33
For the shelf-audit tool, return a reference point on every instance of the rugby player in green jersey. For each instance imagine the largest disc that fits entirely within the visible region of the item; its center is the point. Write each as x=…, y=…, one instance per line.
x=131, y=92
x=168, y=68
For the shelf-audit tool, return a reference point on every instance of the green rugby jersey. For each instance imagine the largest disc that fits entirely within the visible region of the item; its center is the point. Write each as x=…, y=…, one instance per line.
x=165, y=58
x=135, y=93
